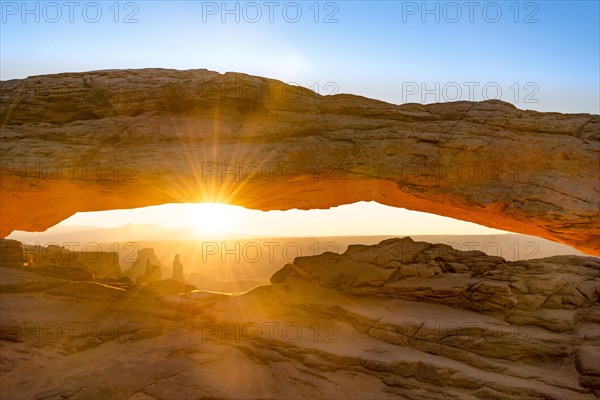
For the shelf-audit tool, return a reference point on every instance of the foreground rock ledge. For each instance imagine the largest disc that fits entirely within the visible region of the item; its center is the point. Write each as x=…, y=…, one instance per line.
x=131, y=138
x=400, y=319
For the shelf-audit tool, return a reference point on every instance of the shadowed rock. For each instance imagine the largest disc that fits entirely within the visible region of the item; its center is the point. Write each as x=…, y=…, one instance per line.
x=400, y=319
x=177, y=269
x=108, y=139
x=142, y=266
x=548, y=292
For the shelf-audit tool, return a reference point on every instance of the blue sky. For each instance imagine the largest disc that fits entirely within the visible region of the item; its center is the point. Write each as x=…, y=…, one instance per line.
x=546, y=50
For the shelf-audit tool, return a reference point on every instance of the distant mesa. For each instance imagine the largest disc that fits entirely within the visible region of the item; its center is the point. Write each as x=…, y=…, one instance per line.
x=146, y=267
x=152, y=273
x=100, y=267
x=60, y=262
x=100, y=264
x=63, y=272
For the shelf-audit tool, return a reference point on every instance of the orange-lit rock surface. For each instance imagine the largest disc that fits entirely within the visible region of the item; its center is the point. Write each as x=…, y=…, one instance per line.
x=131, y=138
x=397, y=320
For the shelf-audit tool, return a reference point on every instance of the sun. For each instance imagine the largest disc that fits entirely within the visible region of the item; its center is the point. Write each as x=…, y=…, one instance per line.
x=213, y=217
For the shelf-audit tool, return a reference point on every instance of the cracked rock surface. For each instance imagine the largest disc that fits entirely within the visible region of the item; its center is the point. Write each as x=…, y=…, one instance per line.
x=119, y=139
x=400, y=319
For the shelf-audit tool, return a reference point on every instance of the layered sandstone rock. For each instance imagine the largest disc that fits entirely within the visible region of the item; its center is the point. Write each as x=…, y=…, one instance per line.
x=131, y=138
x=103, y=264
x=60, y=261
x=550, y=292
x=377, y=322
x=544, y=314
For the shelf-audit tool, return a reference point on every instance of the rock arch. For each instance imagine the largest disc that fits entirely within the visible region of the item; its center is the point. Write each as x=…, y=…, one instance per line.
x=131, y=138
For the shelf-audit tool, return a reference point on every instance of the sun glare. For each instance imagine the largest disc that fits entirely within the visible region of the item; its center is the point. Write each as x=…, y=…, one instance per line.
x=213, y=217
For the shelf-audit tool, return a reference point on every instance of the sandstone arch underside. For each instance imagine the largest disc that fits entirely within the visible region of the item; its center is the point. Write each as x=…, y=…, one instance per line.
x=131, y=138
